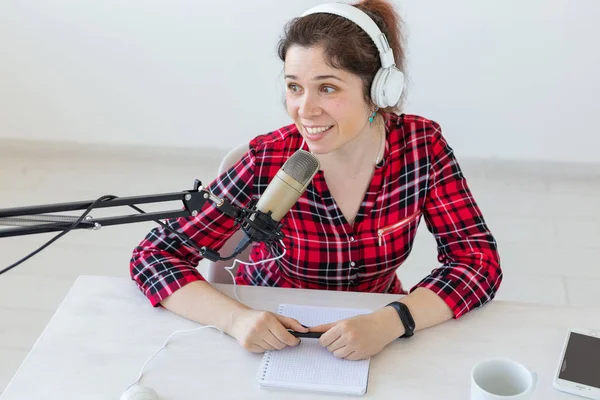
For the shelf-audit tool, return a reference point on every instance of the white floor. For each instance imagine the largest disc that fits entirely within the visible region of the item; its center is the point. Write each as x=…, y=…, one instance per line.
x=546, y=218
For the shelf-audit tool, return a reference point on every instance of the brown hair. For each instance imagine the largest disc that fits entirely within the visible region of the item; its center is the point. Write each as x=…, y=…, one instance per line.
x=346, y=45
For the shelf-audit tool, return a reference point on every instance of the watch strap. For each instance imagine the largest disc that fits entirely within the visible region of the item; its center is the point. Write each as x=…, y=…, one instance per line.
x=405, y=317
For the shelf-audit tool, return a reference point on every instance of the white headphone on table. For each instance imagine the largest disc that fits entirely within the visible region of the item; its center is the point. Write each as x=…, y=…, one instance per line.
x=388, y=83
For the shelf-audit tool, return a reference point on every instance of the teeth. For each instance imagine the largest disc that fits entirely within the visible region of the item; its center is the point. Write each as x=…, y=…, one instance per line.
x=314, y=131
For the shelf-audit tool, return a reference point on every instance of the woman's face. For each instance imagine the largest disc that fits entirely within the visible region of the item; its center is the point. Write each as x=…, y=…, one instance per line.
x=327, y=104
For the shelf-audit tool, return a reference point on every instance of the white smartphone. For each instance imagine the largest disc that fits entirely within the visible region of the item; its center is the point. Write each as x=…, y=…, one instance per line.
x=578, y=370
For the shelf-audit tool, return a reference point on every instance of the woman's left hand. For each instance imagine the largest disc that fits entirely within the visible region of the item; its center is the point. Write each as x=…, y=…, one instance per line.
x=361, y=337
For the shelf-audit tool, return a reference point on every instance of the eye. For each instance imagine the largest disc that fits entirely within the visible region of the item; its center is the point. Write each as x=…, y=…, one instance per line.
x=292, y=87
x=331, y=89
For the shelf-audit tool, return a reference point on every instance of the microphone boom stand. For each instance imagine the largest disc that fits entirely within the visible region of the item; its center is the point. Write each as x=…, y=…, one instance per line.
x=257, y=225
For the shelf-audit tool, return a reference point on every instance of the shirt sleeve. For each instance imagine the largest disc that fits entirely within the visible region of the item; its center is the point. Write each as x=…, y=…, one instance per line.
x=470, y=273
x=162, y=263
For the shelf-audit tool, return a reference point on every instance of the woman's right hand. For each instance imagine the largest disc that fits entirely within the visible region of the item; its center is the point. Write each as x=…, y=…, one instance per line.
x=258, y=331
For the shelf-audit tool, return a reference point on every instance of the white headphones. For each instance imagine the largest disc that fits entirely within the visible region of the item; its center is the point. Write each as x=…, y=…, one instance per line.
x=388, y=83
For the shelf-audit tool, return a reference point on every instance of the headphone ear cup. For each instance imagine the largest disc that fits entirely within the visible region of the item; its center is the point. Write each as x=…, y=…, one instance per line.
x=392, y=86
x=377, y=88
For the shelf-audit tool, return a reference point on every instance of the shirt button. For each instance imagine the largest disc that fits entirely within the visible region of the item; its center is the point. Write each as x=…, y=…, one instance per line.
x=352, y=238
x=352, y=263
x=353, y=282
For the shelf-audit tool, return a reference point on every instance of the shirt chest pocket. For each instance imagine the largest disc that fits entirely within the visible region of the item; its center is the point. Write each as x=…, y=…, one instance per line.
x=395, y=240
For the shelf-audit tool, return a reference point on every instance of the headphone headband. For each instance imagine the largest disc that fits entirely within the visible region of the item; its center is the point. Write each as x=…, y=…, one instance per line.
x=365, y=22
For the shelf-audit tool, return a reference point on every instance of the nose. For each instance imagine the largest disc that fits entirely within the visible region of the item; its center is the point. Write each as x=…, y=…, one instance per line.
x=309, y=106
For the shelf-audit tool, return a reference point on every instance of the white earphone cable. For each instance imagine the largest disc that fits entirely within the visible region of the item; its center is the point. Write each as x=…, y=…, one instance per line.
x=165, y=345
x=228, y=269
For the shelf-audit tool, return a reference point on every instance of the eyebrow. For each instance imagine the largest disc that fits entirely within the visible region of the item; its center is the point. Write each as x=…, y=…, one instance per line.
x=317, y=78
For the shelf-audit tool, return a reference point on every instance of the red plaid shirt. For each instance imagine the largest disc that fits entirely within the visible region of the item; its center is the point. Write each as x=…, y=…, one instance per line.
x=418, y=177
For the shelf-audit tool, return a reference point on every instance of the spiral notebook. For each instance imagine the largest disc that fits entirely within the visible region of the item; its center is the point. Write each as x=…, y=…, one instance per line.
x=309, y=366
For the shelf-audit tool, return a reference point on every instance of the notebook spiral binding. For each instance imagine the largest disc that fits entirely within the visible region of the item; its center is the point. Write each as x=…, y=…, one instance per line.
x=264, y=365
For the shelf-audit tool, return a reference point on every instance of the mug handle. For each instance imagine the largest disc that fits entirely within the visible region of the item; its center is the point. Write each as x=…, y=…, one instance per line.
x=534, y=381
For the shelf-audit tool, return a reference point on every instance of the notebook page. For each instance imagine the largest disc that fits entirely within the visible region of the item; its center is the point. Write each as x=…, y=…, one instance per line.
x=309, y=366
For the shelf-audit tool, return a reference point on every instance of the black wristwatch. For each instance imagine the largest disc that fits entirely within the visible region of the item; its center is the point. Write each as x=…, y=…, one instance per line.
x=405, y=317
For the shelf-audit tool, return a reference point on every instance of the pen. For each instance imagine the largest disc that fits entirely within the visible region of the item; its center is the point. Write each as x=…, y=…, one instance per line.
x=310, y=335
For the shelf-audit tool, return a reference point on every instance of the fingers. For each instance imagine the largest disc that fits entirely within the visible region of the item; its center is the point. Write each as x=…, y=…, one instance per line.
x=330, y=336
x=337, y=344
x=255, y=349
x=354, y=356
x=322, y=328
x=281, y=334
x=263, y=331
x=274, y=341
x=291, y=323
x=269, y=343
x=343, y=352
x=262, y=345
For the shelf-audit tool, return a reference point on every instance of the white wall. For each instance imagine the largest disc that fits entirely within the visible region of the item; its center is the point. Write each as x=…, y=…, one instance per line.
x=505, y=78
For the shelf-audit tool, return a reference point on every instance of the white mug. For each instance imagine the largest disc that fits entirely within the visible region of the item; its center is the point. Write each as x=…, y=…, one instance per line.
x=501, y=378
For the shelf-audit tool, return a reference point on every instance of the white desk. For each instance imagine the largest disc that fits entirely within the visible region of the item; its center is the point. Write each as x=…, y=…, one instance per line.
x=105, y=329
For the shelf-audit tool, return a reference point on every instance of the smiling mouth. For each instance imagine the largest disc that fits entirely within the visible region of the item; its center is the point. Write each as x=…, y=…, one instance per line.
x=317, y=131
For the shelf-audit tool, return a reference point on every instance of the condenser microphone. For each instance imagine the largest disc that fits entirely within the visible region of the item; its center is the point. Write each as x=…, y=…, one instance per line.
x=279, y=197
x=288, y=184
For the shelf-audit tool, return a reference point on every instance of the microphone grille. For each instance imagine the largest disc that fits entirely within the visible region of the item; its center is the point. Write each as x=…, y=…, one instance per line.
x=302, y=166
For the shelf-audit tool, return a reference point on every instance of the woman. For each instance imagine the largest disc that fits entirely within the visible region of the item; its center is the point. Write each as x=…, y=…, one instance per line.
x=381, y=172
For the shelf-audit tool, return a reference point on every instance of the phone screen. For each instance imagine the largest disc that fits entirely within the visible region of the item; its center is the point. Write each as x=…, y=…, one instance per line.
x=581, y=361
